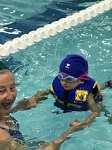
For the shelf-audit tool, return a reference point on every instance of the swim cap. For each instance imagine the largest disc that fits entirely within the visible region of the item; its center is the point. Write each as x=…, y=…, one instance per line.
x=74, y=65
x=3, y=66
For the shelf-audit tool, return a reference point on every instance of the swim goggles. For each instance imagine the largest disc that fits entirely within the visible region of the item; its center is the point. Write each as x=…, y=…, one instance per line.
x=68, y=79
x=71, y=79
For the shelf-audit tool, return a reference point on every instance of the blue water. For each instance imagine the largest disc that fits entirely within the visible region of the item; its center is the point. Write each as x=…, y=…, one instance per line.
x=36, y=67
x=20, y=17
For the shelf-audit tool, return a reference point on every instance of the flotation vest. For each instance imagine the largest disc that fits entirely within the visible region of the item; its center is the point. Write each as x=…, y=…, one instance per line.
x=77, y=97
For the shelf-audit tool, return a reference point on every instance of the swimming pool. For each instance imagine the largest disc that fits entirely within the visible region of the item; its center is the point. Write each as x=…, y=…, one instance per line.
x=35, y=69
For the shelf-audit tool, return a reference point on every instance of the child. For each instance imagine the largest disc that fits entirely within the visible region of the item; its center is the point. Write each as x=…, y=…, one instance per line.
x=72, y=89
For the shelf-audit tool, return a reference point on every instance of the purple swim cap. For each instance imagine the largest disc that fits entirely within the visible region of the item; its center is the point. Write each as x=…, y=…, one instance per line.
x=74, y=65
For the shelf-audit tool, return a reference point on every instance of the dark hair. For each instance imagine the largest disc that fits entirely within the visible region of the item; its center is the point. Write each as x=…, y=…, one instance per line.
x=3, y=66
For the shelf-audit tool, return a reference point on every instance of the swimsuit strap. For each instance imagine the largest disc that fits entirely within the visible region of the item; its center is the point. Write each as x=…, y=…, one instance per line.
x=5, y=129
x=16, y=134
x=15, y=121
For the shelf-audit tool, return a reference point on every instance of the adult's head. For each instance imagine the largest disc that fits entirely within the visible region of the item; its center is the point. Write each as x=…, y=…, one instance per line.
x=8, y=90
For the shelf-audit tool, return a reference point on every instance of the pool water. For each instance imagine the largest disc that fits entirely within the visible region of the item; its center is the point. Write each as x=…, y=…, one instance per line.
x=20, y=17
x=36, y=67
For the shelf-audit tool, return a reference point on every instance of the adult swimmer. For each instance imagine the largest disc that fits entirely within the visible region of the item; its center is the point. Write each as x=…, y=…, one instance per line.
x=73, y=90
x=10, y=136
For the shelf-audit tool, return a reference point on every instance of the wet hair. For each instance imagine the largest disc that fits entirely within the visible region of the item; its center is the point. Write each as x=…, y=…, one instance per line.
x=4, y=68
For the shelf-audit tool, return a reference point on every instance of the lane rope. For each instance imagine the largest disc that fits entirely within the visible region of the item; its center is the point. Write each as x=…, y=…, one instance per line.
x=54, y=28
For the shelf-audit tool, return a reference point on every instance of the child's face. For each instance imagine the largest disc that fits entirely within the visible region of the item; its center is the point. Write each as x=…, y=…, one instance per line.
x=69, y=85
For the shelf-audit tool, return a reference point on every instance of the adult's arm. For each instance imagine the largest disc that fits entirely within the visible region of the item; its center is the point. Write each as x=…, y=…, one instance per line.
x=55, y=145
x=11, y=144
x=26, y=104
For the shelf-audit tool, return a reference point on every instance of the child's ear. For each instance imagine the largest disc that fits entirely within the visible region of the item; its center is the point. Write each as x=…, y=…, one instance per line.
x=81, y=81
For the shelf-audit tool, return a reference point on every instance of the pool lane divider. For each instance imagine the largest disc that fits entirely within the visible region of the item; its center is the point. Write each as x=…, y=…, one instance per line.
x=54, y=28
